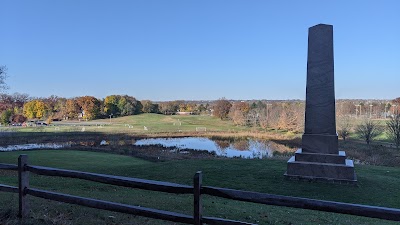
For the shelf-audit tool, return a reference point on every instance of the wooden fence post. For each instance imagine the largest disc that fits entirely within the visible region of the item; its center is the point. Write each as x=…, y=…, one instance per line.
x=198, y=206
x=23, y=184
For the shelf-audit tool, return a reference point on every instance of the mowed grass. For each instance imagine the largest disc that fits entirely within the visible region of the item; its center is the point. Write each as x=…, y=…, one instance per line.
x=154, y=123
x=173, y=123
x=377, y=186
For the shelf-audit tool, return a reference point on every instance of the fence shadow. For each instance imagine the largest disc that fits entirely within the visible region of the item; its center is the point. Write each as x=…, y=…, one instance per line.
x=197, y=190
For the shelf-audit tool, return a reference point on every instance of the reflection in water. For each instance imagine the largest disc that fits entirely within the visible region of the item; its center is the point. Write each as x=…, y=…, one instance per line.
x=242, y=145
x=222, y=144
x=239, y=148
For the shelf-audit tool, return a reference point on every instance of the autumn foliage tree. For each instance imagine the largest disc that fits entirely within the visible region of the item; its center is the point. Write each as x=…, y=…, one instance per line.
x=18, y=118
x=149, y=106
x=122, y=105
x=111, y=105
x=6, y=102
x=35, y=109
x=90, y=107
x=72, y=108
x=168, y=108
x=222, y=108
x=15, y=101
x=129, y=105
x=5, y=116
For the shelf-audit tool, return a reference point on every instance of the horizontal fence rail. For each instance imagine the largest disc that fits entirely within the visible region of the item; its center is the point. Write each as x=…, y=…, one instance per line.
x=8, y=166
x=114, y=180
x=198, y=190
x=7, y=188
x=111, y=206
x=305, y=203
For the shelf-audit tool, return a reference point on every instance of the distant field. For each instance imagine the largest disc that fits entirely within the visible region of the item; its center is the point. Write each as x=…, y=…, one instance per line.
x=154, y=123
x=173, y=123
x=165, y=125
x=377, y=186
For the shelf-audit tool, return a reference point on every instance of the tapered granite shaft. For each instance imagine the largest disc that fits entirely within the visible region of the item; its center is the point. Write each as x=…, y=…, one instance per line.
x=320, y=93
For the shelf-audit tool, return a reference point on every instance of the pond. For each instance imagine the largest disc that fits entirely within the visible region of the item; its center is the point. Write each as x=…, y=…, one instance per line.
x=243, y=148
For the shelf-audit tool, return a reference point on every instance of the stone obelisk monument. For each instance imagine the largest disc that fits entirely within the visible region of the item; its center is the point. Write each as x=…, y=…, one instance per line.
x=319, y=158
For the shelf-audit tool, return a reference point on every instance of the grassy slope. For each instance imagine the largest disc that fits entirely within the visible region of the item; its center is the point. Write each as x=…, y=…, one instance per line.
x=377, y=186
x=165, y=123
x=157, y=123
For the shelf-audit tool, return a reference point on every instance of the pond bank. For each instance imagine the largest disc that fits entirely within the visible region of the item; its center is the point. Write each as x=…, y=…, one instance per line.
x=375, y=154
x=221, y=146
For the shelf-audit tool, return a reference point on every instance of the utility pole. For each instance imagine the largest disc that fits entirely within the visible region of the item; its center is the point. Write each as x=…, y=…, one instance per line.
x=385, y=110
x=370, y=111
x=357, y=109
x=268, y=104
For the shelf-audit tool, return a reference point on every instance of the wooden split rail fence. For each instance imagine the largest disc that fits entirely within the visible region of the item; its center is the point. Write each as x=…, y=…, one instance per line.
x=197, y=190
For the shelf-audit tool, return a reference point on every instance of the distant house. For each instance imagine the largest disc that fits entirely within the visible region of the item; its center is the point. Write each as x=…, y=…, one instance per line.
x=184, y=113
x=81, y=115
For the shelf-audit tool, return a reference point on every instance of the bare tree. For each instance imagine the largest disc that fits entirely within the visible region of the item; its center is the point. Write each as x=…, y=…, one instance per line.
x=239, y=113
x=237, y=116
x=393, y=127
x=368, y=130
x=344, y=127
x=3, y=77
x=291, y=117
x=221, y=108
x=253, y=117
x=263, y=117
x=396, y=105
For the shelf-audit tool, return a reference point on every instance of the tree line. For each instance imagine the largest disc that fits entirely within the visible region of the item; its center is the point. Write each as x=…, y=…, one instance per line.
x=289, y=116
x=17, y=108
x=282, y=115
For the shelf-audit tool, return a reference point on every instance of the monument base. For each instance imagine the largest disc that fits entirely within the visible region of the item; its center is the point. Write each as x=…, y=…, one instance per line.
x=320, y=143
x=321, y=167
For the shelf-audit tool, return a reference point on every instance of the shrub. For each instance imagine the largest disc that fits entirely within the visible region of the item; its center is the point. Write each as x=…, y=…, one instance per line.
x=368, y=130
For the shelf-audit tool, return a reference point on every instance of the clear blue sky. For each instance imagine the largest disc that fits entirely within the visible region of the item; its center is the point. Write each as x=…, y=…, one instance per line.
x=187, y=49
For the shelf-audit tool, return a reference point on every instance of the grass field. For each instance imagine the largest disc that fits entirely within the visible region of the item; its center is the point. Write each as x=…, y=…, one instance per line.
x=377, y=186
x=167, y=125
x=155, y=123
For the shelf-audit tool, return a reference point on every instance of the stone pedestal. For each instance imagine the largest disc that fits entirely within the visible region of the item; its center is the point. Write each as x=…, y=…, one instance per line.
x=335, y=172
x=320, y=158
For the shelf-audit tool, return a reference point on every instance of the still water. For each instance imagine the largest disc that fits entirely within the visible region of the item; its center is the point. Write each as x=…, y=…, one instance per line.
x=243, y=148
x=247, y=148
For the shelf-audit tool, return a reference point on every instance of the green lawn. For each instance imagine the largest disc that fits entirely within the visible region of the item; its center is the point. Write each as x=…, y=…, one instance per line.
x=158, y=124
x=377, y=186
x=172, y=123
x=155, y=123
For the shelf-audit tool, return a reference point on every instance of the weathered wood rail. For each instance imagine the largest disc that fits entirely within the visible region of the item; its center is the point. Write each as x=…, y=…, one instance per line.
x=114, y=180
x=197, y=190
